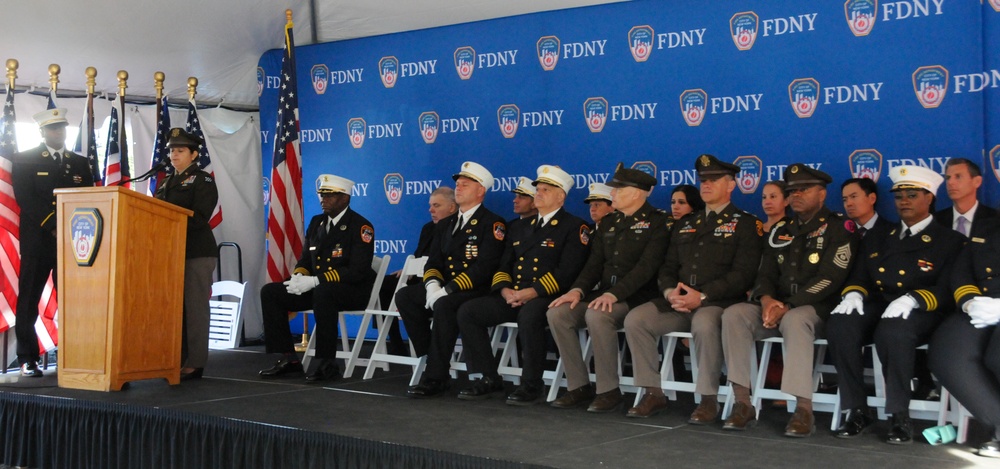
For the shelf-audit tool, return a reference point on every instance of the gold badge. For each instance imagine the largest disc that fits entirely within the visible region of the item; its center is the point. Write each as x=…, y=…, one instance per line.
x=705, y=160
x=902, y=171
x=343, y=227
x=781, y=258
x=177, y=132
x=925, y=238
x=474, y=222
x=45, y=153
x=794, y=169
x=545, y=170
x=813, y=258
x=554, y=222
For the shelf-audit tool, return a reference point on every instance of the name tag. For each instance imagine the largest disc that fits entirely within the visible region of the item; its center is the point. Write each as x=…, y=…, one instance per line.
x=978, y=240
x=43, y=173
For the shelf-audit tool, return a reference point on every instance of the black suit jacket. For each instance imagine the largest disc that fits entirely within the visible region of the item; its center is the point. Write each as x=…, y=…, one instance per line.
x=878, y=233
x=467, y=259
x=978, y=265
x=424, y=242
x=946, y=216
x=344, y=254
x=35, y=175
x=547, y=259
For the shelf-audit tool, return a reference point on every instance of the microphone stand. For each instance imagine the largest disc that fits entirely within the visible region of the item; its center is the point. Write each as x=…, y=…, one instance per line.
x=144, y=176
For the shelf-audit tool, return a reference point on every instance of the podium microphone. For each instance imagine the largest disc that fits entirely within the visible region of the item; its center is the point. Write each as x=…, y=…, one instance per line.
x=148, y=174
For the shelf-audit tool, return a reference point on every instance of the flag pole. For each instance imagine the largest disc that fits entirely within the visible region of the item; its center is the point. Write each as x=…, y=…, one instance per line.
x=158, y=78
x=192, y=88
x=11, y=65
x=91, y=73
x=11, y=72
x=54, y=70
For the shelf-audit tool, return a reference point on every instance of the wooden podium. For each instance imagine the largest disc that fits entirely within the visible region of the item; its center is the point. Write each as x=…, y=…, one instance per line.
x=120, y=317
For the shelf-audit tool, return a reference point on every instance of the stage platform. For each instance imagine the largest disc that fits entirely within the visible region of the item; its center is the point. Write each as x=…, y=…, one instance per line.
x=448, y=432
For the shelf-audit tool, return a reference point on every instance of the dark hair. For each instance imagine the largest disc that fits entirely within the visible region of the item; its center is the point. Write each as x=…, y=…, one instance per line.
x=973, y=167
x=692, y=196
x=865, y=184
x=781, y=185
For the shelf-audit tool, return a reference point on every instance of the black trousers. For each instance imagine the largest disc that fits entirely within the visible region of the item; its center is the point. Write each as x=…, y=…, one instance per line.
x=439, y=342
x=967, y=362
x=35, y=270
x=477, y=316
x=895, y=339
x=326, y=301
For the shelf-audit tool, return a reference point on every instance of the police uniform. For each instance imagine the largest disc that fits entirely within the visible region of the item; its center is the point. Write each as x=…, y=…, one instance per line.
x=804, y=265
x=626, y=253
x=339, y=255
x=716, y=254
x=546, y=258
x=462, y=260
x=194, y=190
x=963, y=356
x=35, y=174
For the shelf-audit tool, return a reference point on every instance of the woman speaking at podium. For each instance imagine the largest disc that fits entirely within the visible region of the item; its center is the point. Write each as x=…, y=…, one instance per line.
x=191, y=188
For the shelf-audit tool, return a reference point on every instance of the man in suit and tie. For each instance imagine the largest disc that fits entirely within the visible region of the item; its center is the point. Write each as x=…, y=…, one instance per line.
x=542, y=258
x=463, y=257
x=35, y=173
x=962, y=180
x=334, y=274
x=860, y=196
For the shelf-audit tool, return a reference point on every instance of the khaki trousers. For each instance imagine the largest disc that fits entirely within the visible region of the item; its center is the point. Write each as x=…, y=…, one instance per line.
x=564, y=322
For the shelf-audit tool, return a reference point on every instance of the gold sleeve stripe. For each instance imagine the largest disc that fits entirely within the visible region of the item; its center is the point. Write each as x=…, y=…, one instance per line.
x=929, y=298
x=463, y=281
x=331, y=276
x=501, y=277
x=47, y=218
x=550, y=284
x=966, y=290
x=430, y=274
x=856, y=288
x=301, y=270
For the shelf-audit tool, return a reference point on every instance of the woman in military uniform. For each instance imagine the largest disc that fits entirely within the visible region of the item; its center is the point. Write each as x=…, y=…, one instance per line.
x=191, y=188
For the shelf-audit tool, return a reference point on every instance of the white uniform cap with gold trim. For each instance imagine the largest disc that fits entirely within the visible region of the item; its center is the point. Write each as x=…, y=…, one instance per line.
x=598, y=191
x=524, y=187
x=330, y=184
x=915, y=177
x=554, y=176
x=476, y=172
x=51, y=117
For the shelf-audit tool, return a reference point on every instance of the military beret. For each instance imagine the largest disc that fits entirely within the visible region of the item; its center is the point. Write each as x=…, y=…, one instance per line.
x=627, y=177
x=798, y=175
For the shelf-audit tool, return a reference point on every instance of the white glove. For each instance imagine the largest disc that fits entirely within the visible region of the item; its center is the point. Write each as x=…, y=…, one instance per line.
x=900, y=307
x=853, y=301
x=434, y=297
x=984, y=311
x=300, y=284
x=433, y=289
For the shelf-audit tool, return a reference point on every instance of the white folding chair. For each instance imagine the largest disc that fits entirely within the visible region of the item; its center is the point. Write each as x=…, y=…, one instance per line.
x=822, y=402
x=625, y=383
x=668, y=376
x=414, y=266
x=226, y=320
x=352, y=353
x=936, y=410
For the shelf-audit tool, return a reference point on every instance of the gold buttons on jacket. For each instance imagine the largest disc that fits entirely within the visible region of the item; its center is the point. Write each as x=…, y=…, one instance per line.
x=881, y=269
x=902, y=272
x=989, y=270
x=899, y=284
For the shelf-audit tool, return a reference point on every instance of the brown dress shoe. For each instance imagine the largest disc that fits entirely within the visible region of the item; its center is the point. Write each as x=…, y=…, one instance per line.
x=706, y=412
x=801, y=424
x=607, y=401
x=744, y=416
x=576, y=398
x=648, y=406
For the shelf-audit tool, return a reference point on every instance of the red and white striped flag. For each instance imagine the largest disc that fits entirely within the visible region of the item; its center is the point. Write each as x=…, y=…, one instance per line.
x=116, y=166
x=284, y=219
x=10, y=218
x=204, y=159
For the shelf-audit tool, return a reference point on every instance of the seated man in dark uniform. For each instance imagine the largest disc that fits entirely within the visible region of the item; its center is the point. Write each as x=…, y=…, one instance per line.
x=334, y=274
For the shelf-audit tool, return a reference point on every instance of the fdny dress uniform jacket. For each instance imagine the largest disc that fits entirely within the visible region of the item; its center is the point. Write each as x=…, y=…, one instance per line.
x=917, y=266
x=35, y=174
x=464, y=263
x=341, y=259
x=546, y=259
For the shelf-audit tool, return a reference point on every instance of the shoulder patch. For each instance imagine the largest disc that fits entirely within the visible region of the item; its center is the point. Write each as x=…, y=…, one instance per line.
x=367, y=234
x=850, y=226
x=499, y=230
x=760, y=228
x=584, y=235
x=842, y=258
x=208, y=178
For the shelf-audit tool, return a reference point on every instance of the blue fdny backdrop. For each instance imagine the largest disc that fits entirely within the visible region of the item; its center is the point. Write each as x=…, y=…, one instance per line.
x=852, y=88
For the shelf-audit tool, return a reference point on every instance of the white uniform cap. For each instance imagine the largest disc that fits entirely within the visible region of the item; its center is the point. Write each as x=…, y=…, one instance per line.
x=330, y=184
x=554, y=176
x=915, y=177
x=598, y=191
x=51, y=117
x=476, y=172
x=524, y=187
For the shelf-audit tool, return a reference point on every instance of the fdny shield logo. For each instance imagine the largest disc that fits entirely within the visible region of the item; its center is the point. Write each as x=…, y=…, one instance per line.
x=640, y=42
x=508, y=116
x=388, y=70
x=320, y=78
x=647, y=167
x=749, y=176
x=393, y=185
x=429, y=124
x=356, y=131
x=743, y=28
x=548, y=52
x=465, y=62
x=693, y=104
x=930, y=83
x=995, y=160
x=866, y=163
x=595, y=110
x=804, y=96
x=861, y=15
x=261, y=76
x=86, y=226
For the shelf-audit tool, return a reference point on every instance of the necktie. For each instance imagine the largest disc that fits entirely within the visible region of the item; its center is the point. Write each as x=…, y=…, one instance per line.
x=862, y=230
x=57, y=157
x=963, y=226
x=459, y=221
x=906, y=234
x=539, y=223
x=329, y=224
x=711, y=215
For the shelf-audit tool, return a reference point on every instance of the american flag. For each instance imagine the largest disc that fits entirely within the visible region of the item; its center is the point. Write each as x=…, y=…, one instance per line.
x=116, y=161
x=46, y=326
x=160, y=151
x=204, y=160
x=284, y=219
x=10, y=219
x=86, y=141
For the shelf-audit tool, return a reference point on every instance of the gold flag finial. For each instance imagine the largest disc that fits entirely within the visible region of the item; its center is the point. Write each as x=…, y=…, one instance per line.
x=91, y=73
x=54, y=70
x=158, y=78
x=11, y=72
x=122, y=78
x=288, y=15
x=192, y=87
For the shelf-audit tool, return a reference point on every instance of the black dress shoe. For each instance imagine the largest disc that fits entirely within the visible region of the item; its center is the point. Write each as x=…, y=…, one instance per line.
x=856, y=422
x=901, y=432
x=196, y=374
x=31, y=370
x=429, y=388
x=281, y=368
x=525, y=394
x=482, y=388
x=326, y=370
